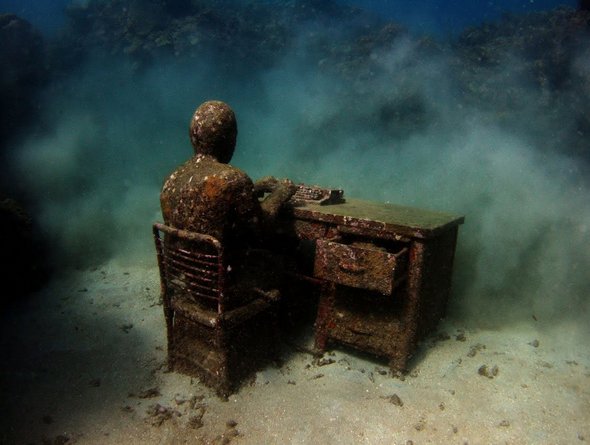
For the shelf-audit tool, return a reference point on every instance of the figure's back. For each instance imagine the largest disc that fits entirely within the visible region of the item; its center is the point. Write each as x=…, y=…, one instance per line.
x=209, y=197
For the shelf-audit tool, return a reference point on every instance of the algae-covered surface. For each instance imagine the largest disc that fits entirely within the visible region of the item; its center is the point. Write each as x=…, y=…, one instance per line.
x=381, y=216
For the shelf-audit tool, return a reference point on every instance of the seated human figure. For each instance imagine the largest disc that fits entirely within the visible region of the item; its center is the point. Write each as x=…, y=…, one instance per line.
x=207, y=195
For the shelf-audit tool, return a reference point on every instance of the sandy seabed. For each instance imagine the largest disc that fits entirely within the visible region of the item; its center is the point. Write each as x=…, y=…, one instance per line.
x=85, y=363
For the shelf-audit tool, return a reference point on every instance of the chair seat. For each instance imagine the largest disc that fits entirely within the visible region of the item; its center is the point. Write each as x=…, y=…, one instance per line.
x=210, y=317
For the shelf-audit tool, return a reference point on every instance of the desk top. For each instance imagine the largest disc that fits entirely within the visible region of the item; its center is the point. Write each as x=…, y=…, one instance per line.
x=391, y=218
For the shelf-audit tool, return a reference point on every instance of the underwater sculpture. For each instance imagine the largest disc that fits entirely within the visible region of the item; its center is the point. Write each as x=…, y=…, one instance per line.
x=219, y=283
x=380, y=273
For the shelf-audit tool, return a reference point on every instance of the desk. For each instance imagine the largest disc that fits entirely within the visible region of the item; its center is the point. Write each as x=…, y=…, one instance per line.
x=385, y=272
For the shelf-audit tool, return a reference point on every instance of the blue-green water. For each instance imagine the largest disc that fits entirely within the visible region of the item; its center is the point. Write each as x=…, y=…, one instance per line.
x=396, y=121
x=430, y=16
x=439, y=105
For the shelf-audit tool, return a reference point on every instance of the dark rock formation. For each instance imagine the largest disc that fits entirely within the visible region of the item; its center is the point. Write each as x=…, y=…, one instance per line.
x=22, y=72
x=530, y=62
x=258, y=32
x=22, y=256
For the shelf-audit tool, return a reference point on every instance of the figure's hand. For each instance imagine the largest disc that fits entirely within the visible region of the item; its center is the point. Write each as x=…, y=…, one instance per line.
x=270, y=184
x=279, y=192
x=265, y=185
x=285, y=188
x=289, y=186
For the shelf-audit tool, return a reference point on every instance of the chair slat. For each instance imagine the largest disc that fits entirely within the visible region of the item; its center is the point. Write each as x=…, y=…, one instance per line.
x=191, y=263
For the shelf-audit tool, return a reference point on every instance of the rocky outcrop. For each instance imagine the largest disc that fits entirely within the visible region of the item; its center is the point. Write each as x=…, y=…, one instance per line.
x=22, y=72
x=22, y=257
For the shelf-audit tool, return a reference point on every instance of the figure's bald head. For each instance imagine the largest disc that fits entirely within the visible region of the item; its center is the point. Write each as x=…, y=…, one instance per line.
x=213, y=130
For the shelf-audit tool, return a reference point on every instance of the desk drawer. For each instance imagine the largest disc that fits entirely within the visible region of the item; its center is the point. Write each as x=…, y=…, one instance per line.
x=362, y=266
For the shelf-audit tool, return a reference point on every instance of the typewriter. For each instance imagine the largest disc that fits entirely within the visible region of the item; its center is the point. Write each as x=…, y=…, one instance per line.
x=313, y=194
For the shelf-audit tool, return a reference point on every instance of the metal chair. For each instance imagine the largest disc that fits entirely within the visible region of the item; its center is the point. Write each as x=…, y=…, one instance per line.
x=219, y=329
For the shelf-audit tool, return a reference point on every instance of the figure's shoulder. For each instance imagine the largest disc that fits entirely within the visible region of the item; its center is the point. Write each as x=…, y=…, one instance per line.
x=235, y=173
x=206, y=170
x=234, y=176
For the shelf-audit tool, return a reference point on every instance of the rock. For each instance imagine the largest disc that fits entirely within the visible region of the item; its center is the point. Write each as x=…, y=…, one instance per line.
x=22, y=72
x=21, y=253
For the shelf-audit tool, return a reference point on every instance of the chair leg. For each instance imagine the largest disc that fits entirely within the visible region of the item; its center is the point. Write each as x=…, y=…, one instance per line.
x=169, y=317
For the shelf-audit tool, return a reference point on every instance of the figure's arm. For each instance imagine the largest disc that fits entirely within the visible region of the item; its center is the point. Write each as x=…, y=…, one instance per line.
x=279, y=192
x=265, y=185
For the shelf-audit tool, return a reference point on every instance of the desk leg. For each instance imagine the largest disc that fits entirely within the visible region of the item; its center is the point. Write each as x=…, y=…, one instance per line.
x=324, y=317
x=398, y=361
x=415, y=297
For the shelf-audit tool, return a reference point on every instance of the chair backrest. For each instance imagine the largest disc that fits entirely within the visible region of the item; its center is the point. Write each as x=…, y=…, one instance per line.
x=191, y=266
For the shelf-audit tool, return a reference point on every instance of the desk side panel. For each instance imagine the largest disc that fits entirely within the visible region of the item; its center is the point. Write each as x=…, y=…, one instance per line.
x=437, y=261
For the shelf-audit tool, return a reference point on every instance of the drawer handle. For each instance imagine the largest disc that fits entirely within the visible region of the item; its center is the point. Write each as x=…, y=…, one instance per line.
x=351, y=267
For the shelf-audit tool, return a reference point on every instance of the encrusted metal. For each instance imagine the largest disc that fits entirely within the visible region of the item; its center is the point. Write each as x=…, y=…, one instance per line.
x=216, y=332
x=386, y=273
x=382, y=271
x=316, y=194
